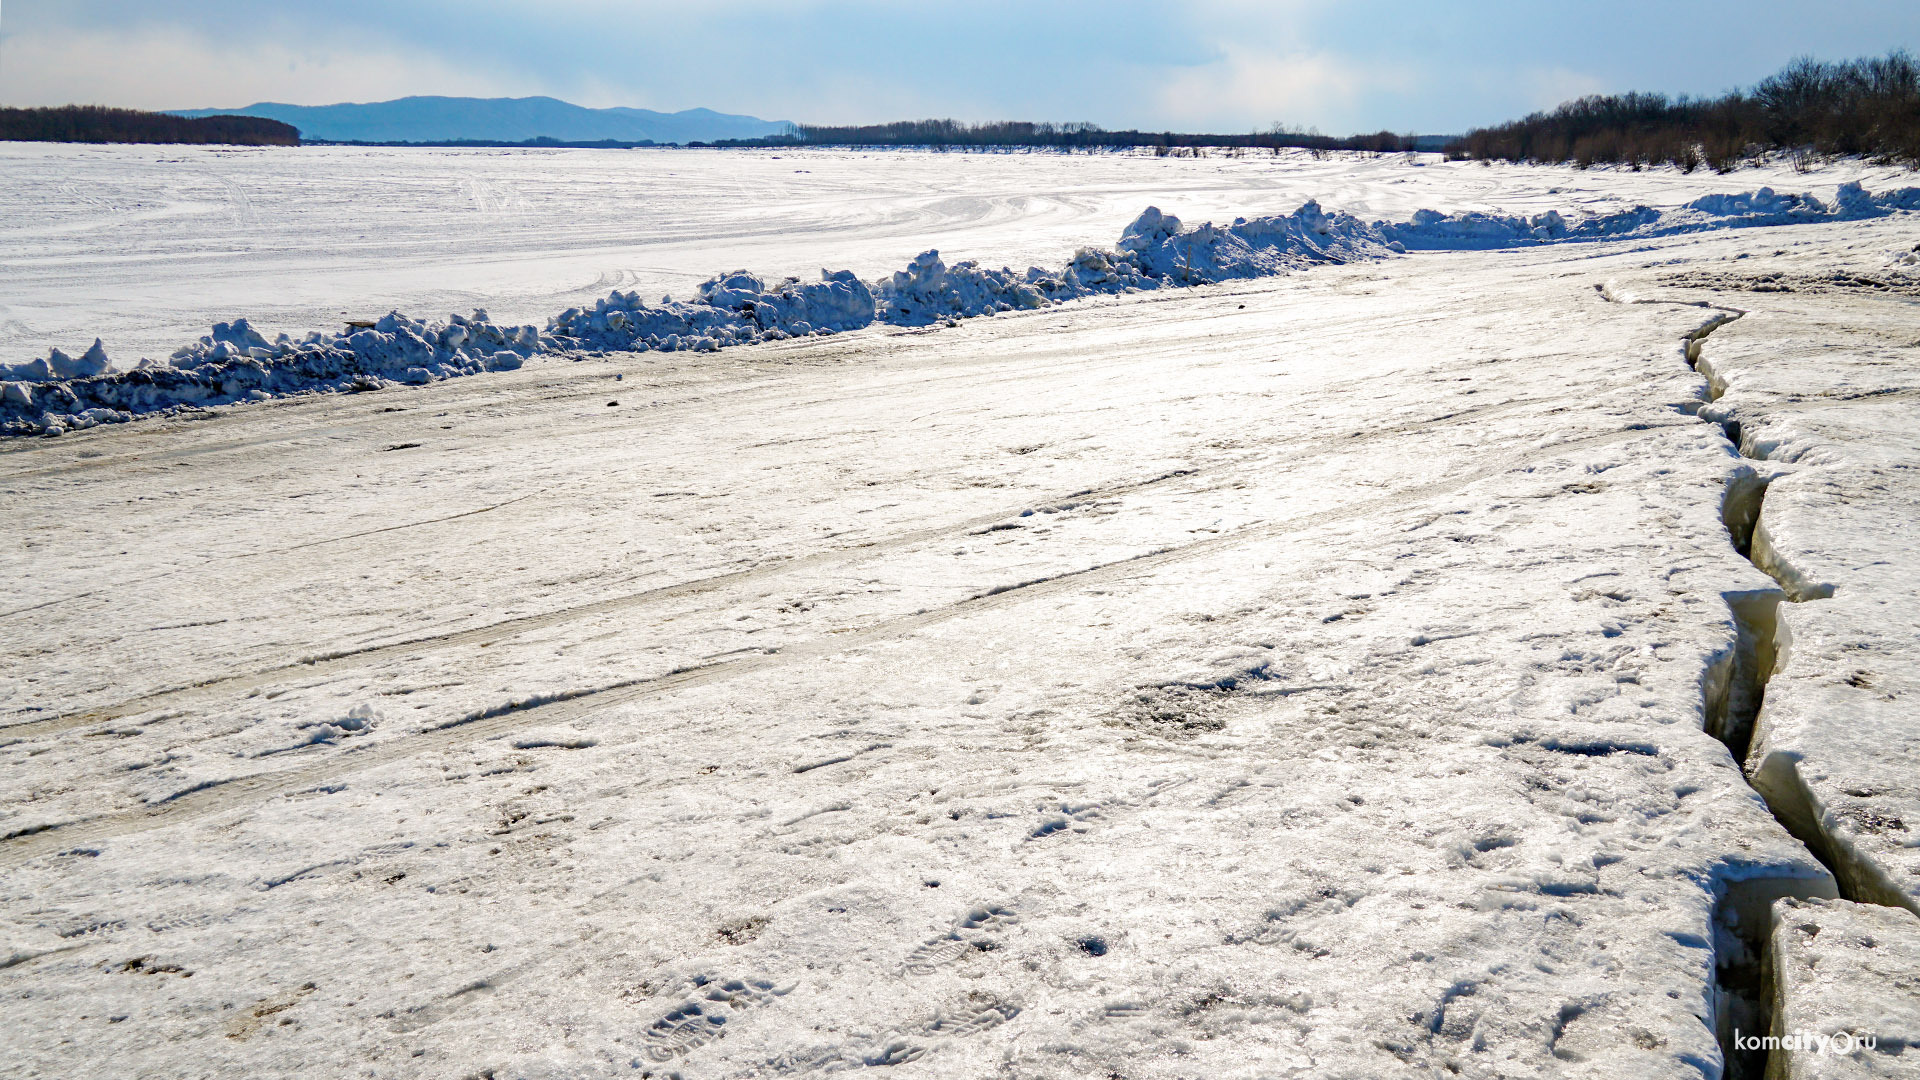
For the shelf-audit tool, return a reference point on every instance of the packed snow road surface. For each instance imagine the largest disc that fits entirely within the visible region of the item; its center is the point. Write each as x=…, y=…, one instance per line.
x=1327, y=675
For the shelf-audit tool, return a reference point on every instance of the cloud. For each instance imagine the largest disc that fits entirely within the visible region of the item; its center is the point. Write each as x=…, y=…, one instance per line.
x=1247, y=89
x=798, y=59
x=1547, y=87
x=1266, y=61
x=176, y=68
x=1226, y=65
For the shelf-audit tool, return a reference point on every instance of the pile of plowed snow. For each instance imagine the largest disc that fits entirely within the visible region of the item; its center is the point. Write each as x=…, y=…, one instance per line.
x=236, y=363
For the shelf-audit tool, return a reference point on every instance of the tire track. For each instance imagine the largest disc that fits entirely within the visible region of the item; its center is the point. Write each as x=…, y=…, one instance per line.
x=692, y=389
x=218, y=796
x=557, y=382
x=493, y=632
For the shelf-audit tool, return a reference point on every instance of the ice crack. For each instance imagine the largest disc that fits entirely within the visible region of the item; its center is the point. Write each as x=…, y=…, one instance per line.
x=1733, y=691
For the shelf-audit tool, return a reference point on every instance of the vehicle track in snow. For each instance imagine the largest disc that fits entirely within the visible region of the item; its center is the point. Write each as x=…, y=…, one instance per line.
x=324, y=663
x=492, y=632
x=559, y=381
x=216, y=796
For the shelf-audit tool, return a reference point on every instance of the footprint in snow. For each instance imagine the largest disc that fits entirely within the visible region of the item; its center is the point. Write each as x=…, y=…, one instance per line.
x=978, y=930
x=705, y=1015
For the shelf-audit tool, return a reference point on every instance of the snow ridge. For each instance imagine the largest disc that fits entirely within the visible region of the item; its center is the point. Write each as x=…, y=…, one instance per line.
x=236, y=363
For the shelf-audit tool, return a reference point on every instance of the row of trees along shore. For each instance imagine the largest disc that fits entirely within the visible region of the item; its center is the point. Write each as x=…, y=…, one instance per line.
x=954, y=133
x=1811, y=109
x=94, y=124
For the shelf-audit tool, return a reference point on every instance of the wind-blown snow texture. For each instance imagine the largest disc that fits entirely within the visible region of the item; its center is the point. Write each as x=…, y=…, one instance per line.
x=236, y=363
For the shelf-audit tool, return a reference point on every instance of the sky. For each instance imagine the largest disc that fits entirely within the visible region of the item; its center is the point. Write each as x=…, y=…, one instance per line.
x=1341, y=66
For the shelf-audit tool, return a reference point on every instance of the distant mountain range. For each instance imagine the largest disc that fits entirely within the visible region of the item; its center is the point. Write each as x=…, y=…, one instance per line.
x=508, y=120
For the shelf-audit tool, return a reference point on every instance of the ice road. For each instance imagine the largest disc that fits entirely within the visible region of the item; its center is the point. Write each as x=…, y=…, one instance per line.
x=1354, y=673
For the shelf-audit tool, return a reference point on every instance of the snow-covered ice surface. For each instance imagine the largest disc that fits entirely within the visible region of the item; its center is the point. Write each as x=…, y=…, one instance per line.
x=236, y=363
x=1825, y=952
x=146, y=247
x=1301, y=676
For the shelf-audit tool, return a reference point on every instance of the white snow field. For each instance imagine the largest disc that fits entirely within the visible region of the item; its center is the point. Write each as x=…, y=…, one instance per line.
x=146, y=247
x=1349, y=673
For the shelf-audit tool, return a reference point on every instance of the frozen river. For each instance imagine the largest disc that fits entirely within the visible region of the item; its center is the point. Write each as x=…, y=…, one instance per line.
x=1351, y=673
x=146, y=247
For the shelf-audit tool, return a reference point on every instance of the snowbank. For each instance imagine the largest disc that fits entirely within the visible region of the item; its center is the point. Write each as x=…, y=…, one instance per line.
x=732, y=309
x=236, y=363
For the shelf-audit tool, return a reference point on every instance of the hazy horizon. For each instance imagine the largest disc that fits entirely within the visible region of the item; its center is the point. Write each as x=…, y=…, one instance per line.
x=1217, y=65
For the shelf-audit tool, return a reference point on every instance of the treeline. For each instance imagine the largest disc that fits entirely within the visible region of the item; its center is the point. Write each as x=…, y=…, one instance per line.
x=953, y=133
x=95, y=124
x=540, y=142
x=1869, y=107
